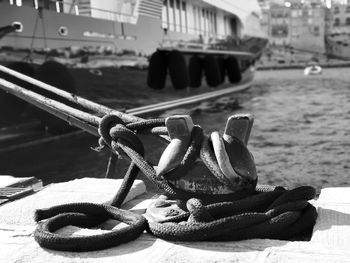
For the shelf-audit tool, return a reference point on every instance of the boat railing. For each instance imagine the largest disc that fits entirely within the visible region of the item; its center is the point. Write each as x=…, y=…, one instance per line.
x=206, y=35
x=212, y=43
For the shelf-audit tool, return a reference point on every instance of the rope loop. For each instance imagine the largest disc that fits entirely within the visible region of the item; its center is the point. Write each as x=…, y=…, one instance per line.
x=122, y=136
x=106, y=123
x=115, y=134
x=121, y=140
x=85, y=215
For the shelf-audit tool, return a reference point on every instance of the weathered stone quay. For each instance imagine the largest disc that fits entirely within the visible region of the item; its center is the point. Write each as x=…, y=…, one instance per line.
x=329, y=242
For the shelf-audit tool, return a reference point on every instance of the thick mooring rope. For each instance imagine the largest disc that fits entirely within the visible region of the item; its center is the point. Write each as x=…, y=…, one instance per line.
x=116, y=135
x=86, y=215
x=279, y=214
x=253, y=212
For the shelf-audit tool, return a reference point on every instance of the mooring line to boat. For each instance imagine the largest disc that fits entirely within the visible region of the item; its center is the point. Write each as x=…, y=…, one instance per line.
x=71, y=115
x=98, y=108
x=76, y=117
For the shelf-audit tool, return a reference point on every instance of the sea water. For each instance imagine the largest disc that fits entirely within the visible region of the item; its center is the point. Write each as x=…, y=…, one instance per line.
x=301, y=131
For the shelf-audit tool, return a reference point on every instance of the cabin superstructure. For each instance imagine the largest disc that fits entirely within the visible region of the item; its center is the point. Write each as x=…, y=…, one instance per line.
x=140, y=25
x=198, y=19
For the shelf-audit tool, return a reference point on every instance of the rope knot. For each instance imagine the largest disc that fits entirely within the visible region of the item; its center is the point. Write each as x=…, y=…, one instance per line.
x=117, y=136
x=122, y=137
x=106, y=123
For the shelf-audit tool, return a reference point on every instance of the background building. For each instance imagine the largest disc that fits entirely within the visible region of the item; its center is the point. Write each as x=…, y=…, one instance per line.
x=338, y=30
x=279, y=31
x=294, y=23
x=307, y=26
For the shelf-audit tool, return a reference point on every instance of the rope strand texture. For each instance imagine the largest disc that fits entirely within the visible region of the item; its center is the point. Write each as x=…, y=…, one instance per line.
x=252, y=212
x=85, y=215
x=257, y=216
x=116, y=136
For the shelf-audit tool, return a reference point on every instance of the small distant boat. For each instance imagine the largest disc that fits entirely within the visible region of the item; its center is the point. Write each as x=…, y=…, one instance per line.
x=313, y=70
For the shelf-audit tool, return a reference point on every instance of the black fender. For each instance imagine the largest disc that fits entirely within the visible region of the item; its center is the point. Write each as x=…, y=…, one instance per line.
x=157, y=70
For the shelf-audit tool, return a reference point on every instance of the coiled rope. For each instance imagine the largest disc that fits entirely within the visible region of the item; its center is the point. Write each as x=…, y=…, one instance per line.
x=279, y=214
x=254, y=212
x=115, y=135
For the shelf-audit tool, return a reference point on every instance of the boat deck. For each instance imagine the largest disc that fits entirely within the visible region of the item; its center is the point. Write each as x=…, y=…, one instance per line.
x=329, y=243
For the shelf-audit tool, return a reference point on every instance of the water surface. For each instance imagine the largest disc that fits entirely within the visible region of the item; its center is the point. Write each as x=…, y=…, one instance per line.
x=301, y=132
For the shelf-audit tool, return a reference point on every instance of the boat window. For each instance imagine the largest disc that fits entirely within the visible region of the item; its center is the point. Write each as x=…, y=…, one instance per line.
x=59, y=6
x=199, y=21
x=208, y=22
x=194, y=19
x=63, y=30
x=177, y=16
x=46, y=4
x=16, y=2
x=233, y=25
x=18, y=26
x=30, y=3
x=191, y=20
x=225, y=25
x=184, y=17
x=211, y=23
x=165, y=15
x=198, y=24
x=215, y=24
x=348, y=9
x=171, y=15
x=203, y=21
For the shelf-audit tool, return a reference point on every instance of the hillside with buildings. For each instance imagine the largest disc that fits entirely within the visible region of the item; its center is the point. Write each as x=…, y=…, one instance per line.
x=301, y=31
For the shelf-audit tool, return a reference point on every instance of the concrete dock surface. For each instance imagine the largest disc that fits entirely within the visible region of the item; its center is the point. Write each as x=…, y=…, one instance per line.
x=330, y=241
